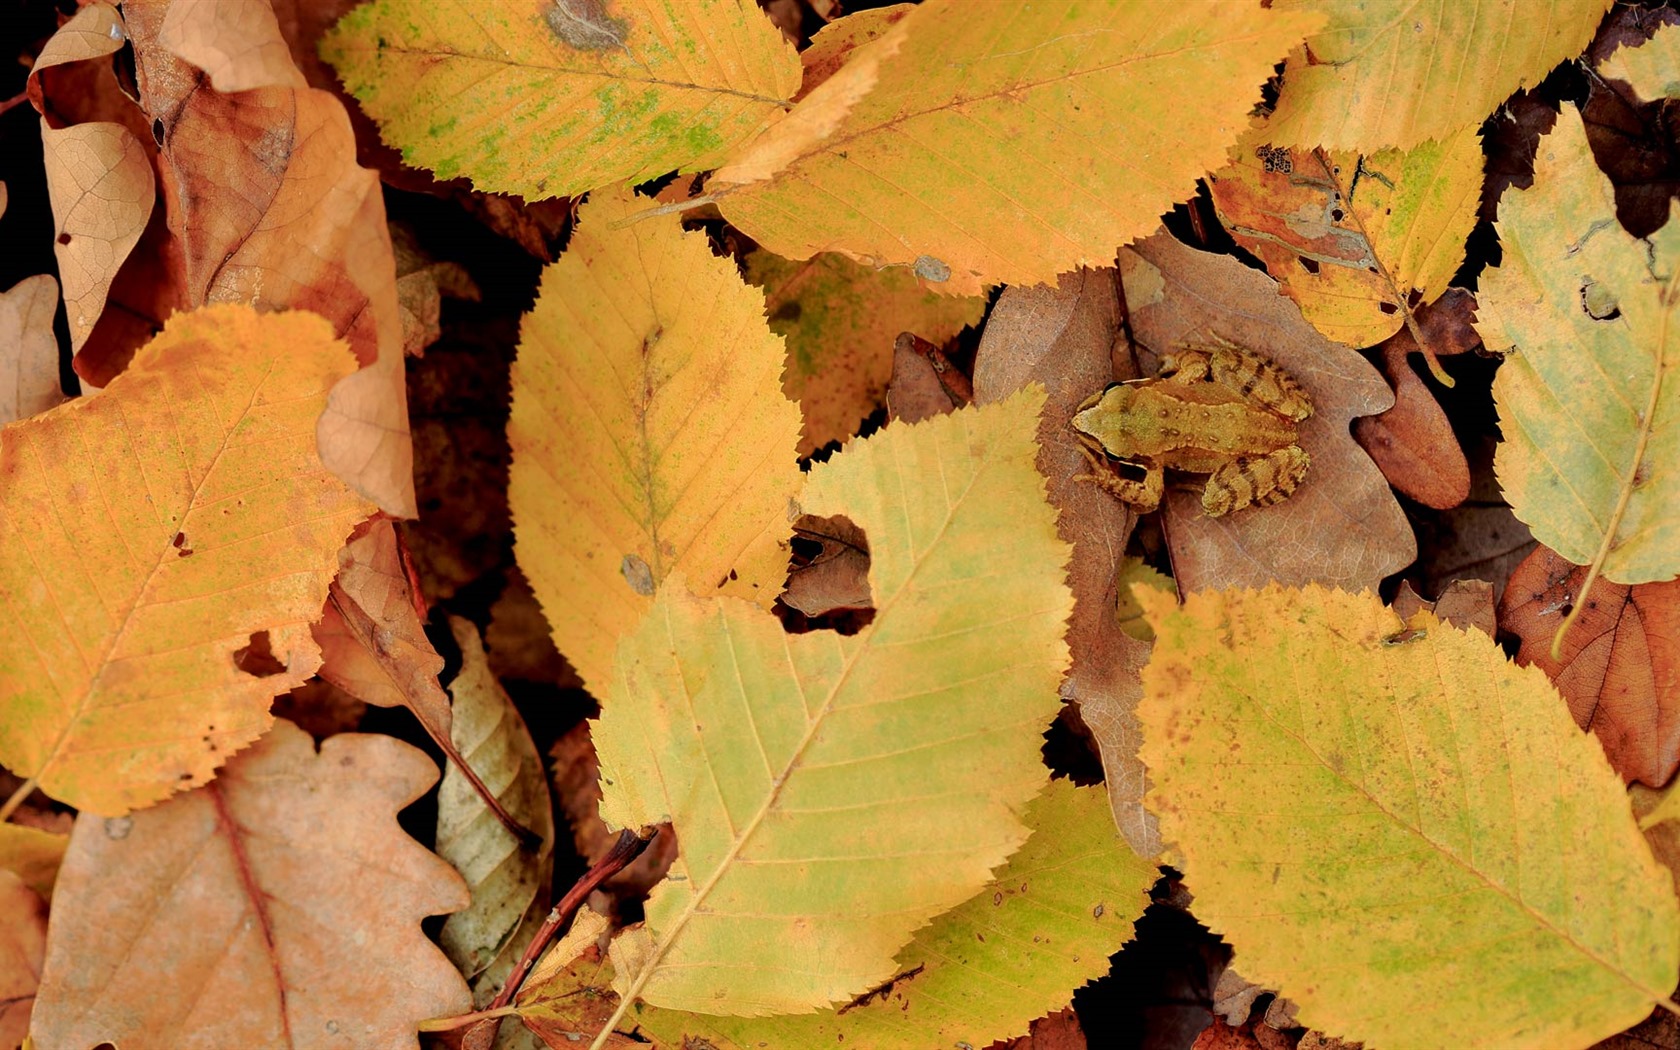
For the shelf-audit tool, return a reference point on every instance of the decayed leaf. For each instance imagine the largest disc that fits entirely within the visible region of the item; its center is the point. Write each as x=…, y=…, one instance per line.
x=649, y=432
x=1349, y=237
x=505, y=878
x=131, y=571
x=23, y=944
x=1343, y=526
x=554, y=99
x=422, y=282
x=1353, y=794
x=1619, y=670
x=1382, y=74
x=863, y=784
x=238, y=46
x=1652, y=68
x=840, y=319
x=99, y=178
x=984, y=971
x=1463, y=603
x=269, y=208
x=284, y=897
x=838, y=576
x=1413, y=443
x=29, y=381
x=373, y=643
x=33, y=855
x=1064, y=337
x=1588, y=420
x=914, y=176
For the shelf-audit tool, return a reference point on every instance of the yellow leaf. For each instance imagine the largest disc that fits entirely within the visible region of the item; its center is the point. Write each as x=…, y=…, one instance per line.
x=1384, y=73
x=1011, y=142
x=649, y=432
x=1349, y=237
x=135, y=572
x=551, y=99
x=1589, y=404
x=983, y=971
x=1398, y=828
x=1652, y=68
x=840, y=319
x=831, y=794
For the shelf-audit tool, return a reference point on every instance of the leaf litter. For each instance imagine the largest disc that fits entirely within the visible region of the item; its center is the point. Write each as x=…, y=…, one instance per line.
x=741, y=570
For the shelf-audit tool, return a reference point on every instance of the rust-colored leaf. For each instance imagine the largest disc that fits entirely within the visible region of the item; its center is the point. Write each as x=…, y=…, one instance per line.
x=279, y=906
x=1620, y=666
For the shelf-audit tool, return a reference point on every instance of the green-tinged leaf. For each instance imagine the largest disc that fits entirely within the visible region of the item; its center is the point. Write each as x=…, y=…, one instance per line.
x=1589, y=402
x=505, y=879
x=1011, y=142
x=983, y=971
x=840, y=319
x=1396, y=827
x=551, y=99
x=831, y=794
x=1385, y=73
x=1652, y=68
x=649, y=431
x=1350, y=237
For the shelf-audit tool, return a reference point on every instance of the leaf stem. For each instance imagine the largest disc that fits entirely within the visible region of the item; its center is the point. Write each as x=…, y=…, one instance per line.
x=24, y=791
x=449, y=1024
x=1631, y=479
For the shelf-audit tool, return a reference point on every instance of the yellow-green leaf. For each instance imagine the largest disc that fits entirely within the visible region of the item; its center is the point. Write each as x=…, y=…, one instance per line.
x=649, y=431
x=1396, y=827
x=1589, y=402
x=840, y=319
x=1652, y=68
x=150, y=533
x=983, y=971
x=1011, y=142
x=1389, y=73
x=552, y=99
x=505, y=879
x=831, y=794
x=1350, y=237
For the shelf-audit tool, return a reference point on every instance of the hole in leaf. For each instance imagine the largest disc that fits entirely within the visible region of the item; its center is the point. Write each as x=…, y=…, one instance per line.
x=1309, y=265
x=1337, y=215
x=257, y=658
x=1388, y=308
x=157, y=132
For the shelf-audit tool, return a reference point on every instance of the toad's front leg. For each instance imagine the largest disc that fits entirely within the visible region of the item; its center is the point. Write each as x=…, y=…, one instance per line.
x=1143, y=496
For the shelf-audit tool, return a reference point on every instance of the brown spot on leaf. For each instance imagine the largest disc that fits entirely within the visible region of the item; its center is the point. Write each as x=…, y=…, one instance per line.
x=585, y=25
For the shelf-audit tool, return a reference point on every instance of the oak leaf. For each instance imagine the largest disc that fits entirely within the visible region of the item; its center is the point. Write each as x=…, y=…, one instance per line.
x=1343, y=526
x=1587, y=416
x=1047, y=923
x=840, y=319
x=132, y=577
x=649, y=432
x=569, y=96
x=913, y=176
x=509, y=883
x=1619, y=670
x=1351, y=793
x=269, y=207
x=806, y=741
x=1457, y=62
x=1413, y=443
x=284, y=897
x=1351, y=236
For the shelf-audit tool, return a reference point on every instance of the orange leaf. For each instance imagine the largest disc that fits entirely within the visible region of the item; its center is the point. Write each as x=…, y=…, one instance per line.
x=28, y=351
x=132, y=576
x=278, y=906
x=23, y=941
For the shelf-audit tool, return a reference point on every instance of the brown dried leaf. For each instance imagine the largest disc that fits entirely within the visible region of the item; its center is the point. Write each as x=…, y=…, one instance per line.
x=1620, y=671
x=28, y=350
x=23, y=944
x=422, y=282
x=838, y=577
x=283, y=896
x=1342, y=527
x=577, y=784
x=1413, y=442
x=270, y=208
x=238, y=45
x=924, y=383
x=1464, y=604
x=1064, y=338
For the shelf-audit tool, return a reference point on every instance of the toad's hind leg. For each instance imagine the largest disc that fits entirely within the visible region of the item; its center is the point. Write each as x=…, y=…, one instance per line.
x=1258, y=480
